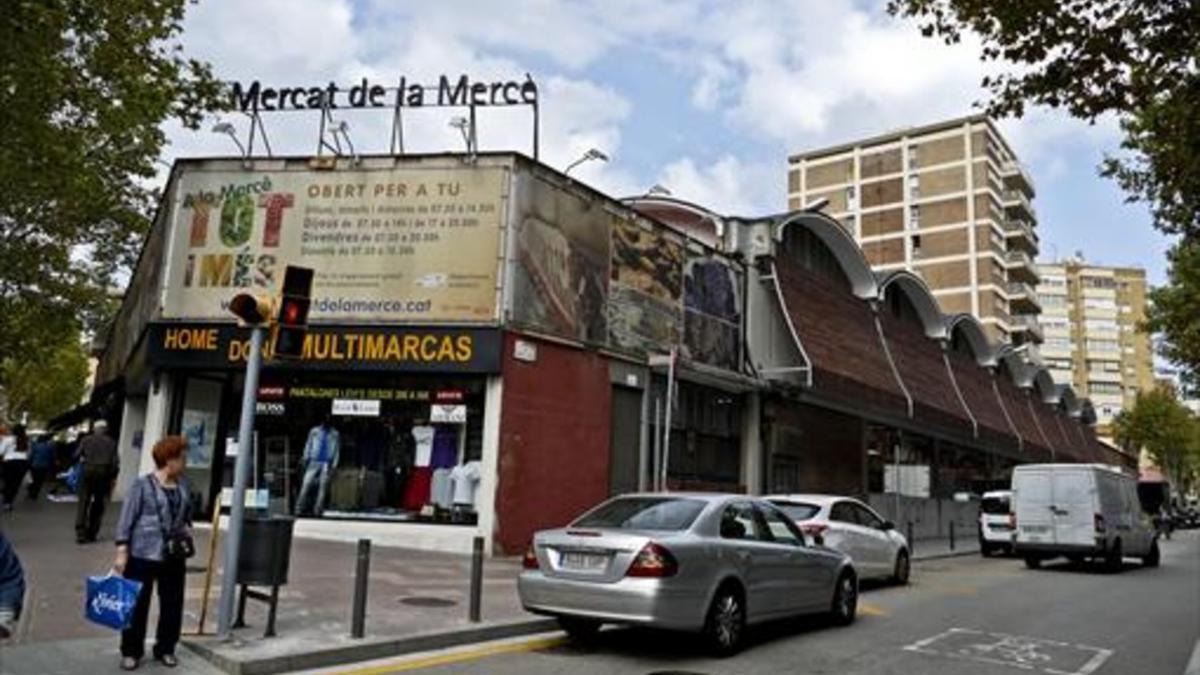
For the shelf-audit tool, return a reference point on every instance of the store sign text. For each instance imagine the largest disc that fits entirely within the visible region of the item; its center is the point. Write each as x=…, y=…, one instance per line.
x=441, y=349
x=449, y=92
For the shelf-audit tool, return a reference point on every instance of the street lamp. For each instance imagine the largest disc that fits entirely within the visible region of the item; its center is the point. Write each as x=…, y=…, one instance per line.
x=462, y=124
x=343, y=127
x=817, y=205
x=591, y=155
x=658, y=189
x=227, y=129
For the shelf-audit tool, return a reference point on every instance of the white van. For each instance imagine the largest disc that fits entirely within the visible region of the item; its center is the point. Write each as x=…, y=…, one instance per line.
x=995, y=522
x=1080, y=511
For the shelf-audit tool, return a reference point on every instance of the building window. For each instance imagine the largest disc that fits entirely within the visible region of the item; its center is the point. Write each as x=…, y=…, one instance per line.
x=1103, y=346
x=851, y=198
x=914, y=217
x=913, y=157
x=916, y=245
x=914, y=187
x=1104, y=387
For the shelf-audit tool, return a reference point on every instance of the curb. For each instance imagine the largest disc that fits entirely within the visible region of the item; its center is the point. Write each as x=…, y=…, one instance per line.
x=368, y=651
x=941, y=556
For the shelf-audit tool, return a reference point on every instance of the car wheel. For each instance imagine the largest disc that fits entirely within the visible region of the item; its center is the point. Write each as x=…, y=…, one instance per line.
x=1114, y=558
x=902, y=569
x=725, y=625
x=985, y=549
x=1033, y=562
x=845, y=600
x=579, y=630
x=1152, y=558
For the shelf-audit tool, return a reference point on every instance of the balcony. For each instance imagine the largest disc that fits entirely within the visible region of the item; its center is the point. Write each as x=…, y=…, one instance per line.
x=1015, y=176
x=1025, y=328
x=1016, y=202
x=1022, y=298
x=1021, y=266
x=1020, y=234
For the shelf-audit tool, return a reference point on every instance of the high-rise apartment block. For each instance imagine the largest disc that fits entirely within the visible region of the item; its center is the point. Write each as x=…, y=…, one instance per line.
x=948, y=201
x=1090, y=315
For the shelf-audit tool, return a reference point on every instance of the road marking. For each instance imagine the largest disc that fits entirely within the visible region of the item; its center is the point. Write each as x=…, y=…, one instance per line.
x=460, y=656
x=1017, y=651
x=871, y=610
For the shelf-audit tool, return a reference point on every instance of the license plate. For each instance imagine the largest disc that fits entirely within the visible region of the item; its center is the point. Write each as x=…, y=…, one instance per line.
x=584, y=562
x=1036, y=529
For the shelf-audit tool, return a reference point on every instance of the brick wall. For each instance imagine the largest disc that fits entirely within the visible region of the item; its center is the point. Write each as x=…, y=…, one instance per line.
x=554, y=440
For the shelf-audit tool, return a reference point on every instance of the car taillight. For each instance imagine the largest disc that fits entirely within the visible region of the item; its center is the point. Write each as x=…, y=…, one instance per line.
x=654, y=560
x=1099, y=520
x=530, y=561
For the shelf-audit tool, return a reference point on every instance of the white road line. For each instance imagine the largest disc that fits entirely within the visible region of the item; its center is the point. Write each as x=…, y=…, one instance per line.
x=1097, y=660
x=1193, y=666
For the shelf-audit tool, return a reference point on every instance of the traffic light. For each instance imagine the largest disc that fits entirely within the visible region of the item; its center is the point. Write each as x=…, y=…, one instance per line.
x=292, y=319
x=251, y=310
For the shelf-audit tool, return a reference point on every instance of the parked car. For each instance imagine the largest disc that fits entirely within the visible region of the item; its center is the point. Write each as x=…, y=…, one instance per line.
x=691, y=562
x=995, y=522
x=1080, y=511
x=845, y=524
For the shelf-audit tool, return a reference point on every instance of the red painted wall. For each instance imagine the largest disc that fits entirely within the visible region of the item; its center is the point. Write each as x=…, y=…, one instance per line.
x=554, y=440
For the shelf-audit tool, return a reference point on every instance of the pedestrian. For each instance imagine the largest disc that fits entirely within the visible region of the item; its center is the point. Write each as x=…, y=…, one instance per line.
x=12, y=588
x=41, y=464
x=98, y=453
x=154, y=540
x=14, y=452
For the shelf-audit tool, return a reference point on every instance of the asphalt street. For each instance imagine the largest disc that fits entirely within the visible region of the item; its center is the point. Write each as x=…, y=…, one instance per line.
x=961, y=616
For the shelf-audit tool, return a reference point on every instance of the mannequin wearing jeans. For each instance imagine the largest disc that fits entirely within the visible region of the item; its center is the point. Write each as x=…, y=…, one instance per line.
x=320, y=459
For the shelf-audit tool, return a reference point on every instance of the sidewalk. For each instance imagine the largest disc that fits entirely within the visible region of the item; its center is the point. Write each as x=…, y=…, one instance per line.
x=416, y=599
x=932, y=549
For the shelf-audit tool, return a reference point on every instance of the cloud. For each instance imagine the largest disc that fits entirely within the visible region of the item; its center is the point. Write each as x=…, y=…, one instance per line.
x=729, y=185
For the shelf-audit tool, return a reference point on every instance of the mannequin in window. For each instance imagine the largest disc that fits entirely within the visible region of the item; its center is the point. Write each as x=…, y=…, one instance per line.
x=320, y=459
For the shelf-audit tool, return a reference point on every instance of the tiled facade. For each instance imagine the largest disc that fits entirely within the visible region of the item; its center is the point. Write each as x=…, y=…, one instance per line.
x=949, y=202
x=1092, y=342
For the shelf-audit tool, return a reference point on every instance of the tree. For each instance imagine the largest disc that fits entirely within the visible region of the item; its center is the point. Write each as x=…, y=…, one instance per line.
x=1164, y=428
x=50, y=383
x=1135, y=59
x=84, y=88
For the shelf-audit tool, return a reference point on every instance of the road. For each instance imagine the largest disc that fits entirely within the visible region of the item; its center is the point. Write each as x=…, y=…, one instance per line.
x=961, y=616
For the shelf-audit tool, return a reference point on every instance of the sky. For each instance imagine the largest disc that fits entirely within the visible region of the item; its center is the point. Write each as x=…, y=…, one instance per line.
x=705, y=98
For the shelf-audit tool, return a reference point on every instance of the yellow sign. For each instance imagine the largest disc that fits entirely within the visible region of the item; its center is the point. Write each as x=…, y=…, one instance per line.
x=401, y=244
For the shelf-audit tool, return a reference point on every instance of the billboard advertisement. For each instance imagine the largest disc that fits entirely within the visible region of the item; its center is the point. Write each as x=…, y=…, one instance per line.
x=560, y=271
x=645, y=299
x=408, y=243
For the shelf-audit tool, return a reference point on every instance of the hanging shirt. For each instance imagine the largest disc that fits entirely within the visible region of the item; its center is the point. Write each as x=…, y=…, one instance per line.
x=445, y=448
x=465, y=481
x=423, y=436
x=440, y=490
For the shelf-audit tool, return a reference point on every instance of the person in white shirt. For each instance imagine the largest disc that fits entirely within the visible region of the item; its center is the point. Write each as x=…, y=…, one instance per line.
x=14, y=453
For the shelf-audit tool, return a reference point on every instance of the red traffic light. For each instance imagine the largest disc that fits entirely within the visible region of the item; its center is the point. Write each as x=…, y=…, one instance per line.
x=293, y=312
x=292, y=319
x=251, y=309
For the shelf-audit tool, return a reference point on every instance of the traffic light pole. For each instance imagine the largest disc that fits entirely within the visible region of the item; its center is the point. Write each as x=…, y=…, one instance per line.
x=233, y=536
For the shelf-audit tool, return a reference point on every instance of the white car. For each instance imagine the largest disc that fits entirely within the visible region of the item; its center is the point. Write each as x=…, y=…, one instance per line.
x=1080, y=511
x=845, y=524
x=996, y=522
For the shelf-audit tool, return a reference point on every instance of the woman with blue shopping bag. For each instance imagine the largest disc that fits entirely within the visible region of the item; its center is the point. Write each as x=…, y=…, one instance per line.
x=154, y=541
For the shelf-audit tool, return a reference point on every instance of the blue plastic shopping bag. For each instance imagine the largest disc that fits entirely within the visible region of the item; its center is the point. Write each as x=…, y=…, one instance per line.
x=110, y=600
x=72, y=477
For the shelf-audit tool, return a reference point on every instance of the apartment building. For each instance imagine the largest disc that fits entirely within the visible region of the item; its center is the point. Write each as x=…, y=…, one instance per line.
x=948, y=201
x=1090, y=316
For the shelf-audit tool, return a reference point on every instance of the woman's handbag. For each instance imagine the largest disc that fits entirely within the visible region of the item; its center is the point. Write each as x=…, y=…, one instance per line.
x=110, y=600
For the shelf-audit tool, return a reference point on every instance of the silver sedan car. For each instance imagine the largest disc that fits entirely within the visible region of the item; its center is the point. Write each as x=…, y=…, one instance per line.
x=693, y=562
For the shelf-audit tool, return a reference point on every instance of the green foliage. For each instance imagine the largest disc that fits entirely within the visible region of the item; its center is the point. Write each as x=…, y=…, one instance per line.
x=1136, y=59
x=1161, y=425
x=84, y=88
x=47, y=382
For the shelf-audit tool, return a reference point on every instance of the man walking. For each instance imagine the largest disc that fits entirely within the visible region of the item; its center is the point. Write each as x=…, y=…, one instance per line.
x=98, y=454
x=41, y=464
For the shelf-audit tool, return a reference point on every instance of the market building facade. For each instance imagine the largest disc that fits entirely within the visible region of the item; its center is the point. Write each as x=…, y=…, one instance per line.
x=495, y=347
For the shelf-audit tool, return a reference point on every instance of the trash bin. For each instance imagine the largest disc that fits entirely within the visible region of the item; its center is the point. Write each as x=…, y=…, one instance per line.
x=266, y=551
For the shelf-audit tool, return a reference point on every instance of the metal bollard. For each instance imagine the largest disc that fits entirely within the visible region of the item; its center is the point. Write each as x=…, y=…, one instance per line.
x=952, y=535
x=476, y=579
x=361, y=571
x=912, y=545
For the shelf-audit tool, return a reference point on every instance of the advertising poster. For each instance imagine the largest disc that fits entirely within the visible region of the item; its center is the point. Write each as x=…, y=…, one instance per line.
x=645, y=309
x=400, y=244
x=712, y=312
x=199, y=427
x=560, y=273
